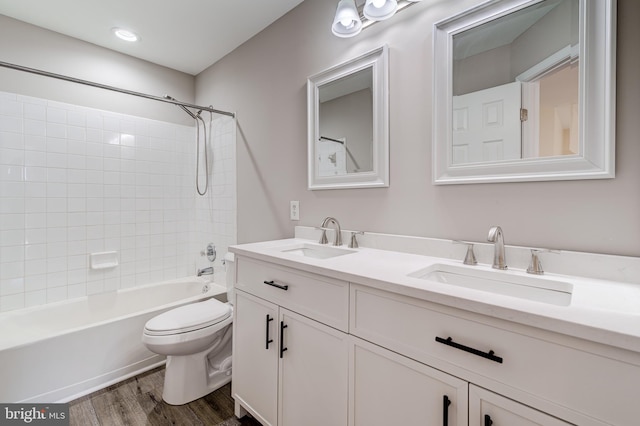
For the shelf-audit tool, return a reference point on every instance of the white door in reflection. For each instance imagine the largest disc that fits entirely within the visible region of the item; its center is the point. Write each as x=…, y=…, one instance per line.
x=486, y=125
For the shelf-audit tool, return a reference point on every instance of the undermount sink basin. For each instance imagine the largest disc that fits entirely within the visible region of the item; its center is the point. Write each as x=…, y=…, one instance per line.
x=316, y=251
x=535, y=288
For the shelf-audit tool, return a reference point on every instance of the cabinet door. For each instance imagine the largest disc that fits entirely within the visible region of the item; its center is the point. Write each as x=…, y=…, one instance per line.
x=390, y=389
x=255, y=357
x=489, y=409
x=313, y=373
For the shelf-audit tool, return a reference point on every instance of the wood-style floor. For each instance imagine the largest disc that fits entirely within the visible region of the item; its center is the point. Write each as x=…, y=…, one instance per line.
x=138, y=401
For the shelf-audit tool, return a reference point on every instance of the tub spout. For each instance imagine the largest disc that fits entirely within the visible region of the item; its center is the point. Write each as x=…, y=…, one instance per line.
x=205, y=271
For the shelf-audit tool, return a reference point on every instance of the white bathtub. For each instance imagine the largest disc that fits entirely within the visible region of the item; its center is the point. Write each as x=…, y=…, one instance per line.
x=61, y=351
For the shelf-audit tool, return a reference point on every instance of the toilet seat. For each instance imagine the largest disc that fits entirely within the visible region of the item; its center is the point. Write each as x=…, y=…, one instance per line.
x=188, y=318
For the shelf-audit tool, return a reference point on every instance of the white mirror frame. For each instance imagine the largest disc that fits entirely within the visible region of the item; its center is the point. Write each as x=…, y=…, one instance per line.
x=597, y=91
x=379, y=177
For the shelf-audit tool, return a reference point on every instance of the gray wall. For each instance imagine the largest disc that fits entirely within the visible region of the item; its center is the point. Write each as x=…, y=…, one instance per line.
x=351, y=117
x=264, y=81
x=30, y=46
x=479, y=71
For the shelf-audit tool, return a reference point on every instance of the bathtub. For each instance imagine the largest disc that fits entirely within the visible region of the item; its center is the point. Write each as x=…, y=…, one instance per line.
x=61, y=351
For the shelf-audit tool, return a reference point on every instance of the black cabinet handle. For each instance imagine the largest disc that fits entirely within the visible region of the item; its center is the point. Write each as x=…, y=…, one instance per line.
x=267, y=340
x=446, y=402
x=487, y=420
x=488, y=355
x=282, y=348
x=274, y=284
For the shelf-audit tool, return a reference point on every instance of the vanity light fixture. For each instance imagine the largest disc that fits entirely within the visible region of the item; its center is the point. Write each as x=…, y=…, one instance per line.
x=125, y=35
x=347, y=22
x=352, y=16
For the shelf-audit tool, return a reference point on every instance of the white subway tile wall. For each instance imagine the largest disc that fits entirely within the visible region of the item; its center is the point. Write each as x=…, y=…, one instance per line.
x=76, y=180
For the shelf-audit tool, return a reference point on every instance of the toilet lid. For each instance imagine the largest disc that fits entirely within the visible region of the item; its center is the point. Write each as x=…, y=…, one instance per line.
x=188, y=318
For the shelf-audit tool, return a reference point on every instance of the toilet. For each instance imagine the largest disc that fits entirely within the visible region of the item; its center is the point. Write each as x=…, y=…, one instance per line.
x=196, y=340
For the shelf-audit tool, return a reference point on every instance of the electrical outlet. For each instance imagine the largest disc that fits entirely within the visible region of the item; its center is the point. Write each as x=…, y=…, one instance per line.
x=294, y=210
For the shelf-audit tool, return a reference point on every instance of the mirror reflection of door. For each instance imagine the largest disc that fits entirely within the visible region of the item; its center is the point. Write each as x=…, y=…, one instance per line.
x=535, y=48
x=486, y=125
x=345, y=143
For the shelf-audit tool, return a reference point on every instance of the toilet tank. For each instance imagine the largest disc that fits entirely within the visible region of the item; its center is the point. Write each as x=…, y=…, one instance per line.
x=230, y=272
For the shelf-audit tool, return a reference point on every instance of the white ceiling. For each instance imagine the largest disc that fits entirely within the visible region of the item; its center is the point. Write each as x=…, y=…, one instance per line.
x=186, y=35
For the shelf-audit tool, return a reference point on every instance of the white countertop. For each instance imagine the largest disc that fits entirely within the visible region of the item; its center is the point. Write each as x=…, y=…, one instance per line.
x=601, y=311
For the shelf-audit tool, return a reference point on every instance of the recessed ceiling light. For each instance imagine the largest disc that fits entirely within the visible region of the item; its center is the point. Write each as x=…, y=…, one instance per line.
x=125, y=35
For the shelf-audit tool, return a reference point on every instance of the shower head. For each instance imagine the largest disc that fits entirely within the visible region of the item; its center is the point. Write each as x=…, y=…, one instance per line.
x=182, y=106
x=188, y=112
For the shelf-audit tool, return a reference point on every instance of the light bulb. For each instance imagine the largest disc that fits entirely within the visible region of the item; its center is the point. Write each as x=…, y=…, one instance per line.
x=347, y=23
x=379, y=10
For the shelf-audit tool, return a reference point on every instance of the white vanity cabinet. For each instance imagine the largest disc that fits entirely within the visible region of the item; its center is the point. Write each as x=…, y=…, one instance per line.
x=255, y=357
x=312, y=349
x=577, y=381
x=291, y=352
x=490, y=409
x=390, y=389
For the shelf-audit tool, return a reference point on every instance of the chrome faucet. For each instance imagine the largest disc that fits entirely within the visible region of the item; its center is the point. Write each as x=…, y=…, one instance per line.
x=495, y=236
x=205, y=271
x=338, y=239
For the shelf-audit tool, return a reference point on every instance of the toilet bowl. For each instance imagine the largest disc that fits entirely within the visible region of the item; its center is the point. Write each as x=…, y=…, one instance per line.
x=196, y=340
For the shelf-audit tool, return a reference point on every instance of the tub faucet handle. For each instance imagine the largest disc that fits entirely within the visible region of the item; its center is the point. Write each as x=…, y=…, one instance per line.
x=211, y=252
x=470, y=257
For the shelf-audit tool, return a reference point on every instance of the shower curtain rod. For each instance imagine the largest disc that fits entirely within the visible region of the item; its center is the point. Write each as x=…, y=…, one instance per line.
x=332, y=139
x=112, y=88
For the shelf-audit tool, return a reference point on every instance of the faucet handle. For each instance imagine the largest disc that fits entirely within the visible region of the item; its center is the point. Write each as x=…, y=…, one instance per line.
x=470, y=257
x=535, y=266
x=353, y=243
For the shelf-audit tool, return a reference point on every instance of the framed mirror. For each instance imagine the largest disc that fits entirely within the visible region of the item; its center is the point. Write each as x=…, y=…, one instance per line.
x=524, y=90
x=348, y=124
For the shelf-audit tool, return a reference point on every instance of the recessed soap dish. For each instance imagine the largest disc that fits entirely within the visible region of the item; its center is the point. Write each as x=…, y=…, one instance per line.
x=104, y=260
